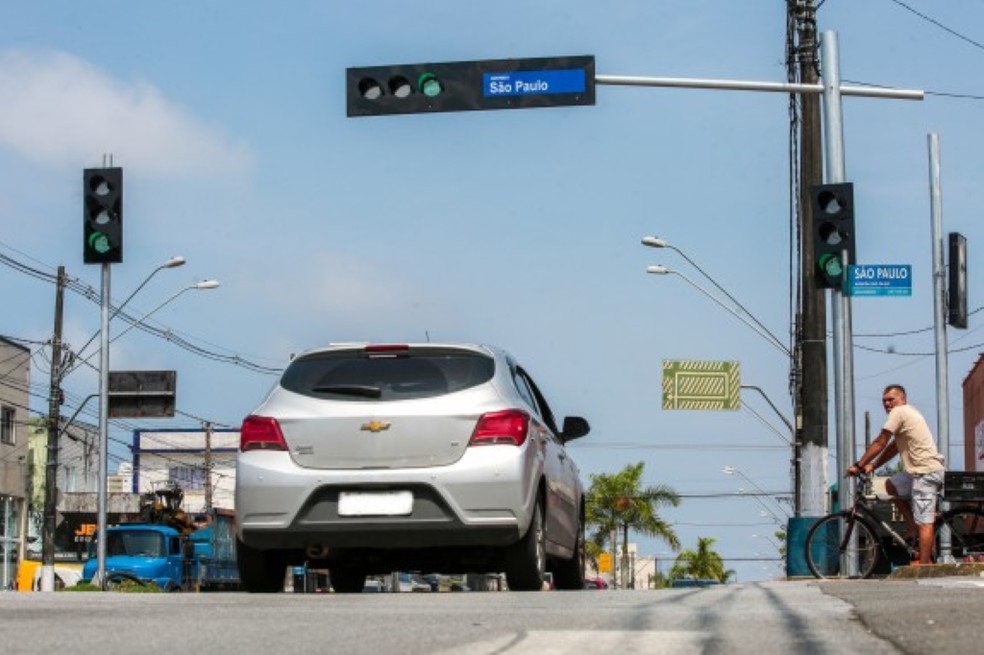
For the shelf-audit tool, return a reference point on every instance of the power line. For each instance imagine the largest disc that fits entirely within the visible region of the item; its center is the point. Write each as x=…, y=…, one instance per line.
x=939, y=24
x=165, y=333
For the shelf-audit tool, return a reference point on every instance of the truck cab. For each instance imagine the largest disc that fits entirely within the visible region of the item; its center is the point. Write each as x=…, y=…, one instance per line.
x=148, y=552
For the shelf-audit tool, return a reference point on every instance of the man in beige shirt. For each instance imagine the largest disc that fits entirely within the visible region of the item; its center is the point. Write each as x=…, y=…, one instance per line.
x=914, y=490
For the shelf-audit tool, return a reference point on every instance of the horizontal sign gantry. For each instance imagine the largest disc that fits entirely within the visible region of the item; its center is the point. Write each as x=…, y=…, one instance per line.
x=470, y=85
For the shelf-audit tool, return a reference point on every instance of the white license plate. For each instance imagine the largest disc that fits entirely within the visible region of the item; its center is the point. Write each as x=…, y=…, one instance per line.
x=375, y=503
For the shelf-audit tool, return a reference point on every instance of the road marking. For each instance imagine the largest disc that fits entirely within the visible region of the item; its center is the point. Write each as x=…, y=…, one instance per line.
x=560, y=642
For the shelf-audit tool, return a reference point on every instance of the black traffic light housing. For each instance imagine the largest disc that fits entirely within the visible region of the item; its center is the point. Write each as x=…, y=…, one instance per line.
x=833, y=233
x=470, y=85
x=102, y=215
x=956, y=290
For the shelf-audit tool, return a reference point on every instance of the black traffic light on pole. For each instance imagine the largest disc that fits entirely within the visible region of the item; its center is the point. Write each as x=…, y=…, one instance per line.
x=470, y=85
x=102, y=215
x=956, y=291
x=833, y=220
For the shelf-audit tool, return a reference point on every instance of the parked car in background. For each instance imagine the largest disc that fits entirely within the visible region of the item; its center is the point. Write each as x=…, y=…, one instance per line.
x=374, y=586
x=686, y=583
x=595, y=583
x=371, y=458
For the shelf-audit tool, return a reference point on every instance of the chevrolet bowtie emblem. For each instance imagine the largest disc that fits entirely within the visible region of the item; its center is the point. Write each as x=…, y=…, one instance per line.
x=375, y=426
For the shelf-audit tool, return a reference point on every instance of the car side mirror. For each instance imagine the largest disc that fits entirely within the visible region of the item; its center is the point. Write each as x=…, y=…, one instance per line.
x=575, y=427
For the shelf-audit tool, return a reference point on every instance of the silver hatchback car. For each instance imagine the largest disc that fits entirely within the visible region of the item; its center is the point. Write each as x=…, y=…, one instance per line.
x=371, y=458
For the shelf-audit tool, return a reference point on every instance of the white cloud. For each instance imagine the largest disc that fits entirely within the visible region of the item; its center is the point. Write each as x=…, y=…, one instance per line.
x=59, y=109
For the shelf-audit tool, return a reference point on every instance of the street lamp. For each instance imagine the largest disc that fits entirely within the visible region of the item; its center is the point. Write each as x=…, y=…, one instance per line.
x=173, y=262
x=199, y=286
x=757, y=327
x=656, y=242
x=731, y=470
x=204, y=284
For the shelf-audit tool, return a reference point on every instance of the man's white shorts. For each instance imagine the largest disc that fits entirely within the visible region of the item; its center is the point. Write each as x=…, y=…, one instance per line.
x=922, y=490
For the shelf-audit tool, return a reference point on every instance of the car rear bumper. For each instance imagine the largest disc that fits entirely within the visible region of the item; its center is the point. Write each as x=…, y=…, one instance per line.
x=282, y=505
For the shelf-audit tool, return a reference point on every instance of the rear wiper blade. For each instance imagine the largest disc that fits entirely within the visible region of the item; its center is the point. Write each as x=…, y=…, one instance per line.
x=350, y=390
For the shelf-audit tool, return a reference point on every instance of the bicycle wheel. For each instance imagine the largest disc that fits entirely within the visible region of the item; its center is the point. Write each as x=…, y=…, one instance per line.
x=966, y=532
x=825, y=546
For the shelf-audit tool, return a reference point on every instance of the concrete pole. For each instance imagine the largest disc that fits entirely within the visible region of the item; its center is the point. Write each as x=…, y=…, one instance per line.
x=51, y=465
x=810, y=452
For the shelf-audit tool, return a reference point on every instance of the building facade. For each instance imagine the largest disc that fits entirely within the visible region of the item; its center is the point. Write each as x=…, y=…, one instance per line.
x=973, y=423
x=15, y=384
x=77, y=472
x=201, y=462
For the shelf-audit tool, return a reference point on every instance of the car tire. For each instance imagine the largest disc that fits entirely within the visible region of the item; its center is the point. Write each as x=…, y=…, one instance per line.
x=569, y=573
x=526, y=560
x=260, y=571
x=345, y=580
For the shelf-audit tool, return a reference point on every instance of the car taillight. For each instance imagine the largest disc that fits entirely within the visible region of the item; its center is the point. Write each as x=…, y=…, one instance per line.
x=261, y=433
x=507, y=427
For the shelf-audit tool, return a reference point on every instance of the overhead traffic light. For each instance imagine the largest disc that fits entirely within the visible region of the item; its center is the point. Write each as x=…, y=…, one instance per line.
x=833, y=233
x=102, y=215
x=470, y=85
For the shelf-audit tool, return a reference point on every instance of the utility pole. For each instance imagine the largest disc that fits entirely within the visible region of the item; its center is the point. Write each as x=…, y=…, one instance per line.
x=811, y=346
x=51, y=466
x=208, y=466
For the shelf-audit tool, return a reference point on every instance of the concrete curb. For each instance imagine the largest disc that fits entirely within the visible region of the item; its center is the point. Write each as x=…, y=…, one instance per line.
x=937, y=571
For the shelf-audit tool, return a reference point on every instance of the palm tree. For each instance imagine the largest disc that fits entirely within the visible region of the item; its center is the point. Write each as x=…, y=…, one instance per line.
x=620, y=502
x=701, y=564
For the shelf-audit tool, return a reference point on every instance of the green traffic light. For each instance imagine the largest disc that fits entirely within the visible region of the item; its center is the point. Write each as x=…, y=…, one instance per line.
x=831, y=265
x=429, y=85
x=99, y=242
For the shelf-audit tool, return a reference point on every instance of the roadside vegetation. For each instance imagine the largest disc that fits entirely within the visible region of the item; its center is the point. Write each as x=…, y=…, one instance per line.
x=619, y=505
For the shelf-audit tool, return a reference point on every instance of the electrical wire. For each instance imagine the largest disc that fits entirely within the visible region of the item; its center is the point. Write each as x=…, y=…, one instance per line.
x=939, y=24
x=91, y=294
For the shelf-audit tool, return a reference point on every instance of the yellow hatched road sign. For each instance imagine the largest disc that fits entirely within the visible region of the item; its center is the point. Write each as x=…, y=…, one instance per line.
x=694, y=384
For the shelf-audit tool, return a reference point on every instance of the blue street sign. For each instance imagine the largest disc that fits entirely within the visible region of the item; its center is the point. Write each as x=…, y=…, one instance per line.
x=879, y=280
x=541, y=82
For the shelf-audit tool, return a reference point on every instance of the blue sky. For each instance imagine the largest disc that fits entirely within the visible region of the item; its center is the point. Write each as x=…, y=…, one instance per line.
x=518, y=228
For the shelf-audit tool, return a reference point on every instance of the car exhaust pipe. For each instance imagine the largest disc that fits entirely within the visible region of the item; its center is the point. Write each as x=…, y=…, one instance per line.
x=316, y=551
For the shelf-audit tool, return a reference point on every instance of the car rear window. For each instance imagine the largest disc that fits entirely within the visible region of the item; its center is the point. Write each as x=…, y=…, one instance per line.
x=391, y=375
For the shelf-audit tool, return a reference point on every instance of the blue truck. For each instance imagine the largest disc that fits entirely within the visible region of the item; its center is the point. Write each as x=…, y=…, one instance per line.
x=170, y=551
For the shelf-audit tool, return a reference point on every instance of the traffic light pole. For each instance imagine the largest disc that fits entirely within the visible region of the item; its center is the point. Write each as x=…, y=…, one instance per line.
x=840, y=302
x=103, y=424
x=831, y=91
x=939, y=323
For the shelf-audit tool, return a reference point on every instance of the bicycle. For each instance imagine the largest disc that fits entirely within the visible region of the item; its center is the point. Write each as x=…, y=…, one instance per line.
x=857, y=535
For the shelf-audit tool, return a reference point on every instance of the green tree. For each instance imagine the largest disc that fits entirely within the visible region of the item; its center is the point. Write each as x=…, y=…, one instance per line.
x=620, y=502
x=701, y=564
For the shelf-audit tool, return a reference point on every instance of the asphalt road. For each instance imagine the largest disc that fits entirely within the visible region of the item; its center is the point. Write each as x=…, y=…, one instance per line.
x=871, y=617
x=936, y=615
